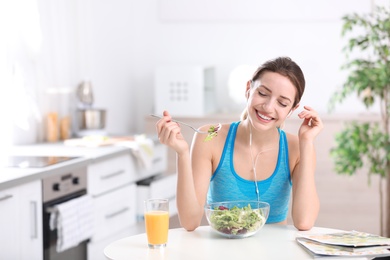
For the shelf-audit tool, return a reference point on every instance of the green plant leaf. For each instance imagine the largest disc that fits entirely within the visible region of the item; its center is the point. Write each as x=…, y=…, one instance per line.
x=360, y=143
x=367, y=54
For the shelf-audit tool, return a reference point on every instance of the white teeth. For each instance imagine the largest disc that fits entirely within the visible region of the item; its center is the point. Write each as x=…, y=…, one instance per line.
x=264, y=117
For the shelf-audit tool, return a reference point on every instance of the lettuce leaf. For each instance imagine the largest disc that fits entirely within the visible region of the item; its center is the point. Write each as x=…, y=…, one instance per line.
x=236, y=220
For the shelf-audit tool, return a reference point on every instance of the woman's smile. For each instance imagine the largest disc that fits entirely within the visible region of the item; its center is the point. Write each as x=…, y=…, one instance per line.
x=263, y=117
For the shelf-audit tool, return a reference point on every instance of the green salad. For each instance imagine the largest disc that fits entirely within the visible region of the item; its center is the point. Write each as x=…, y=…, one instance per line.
x=236, y=221
x=212, y=132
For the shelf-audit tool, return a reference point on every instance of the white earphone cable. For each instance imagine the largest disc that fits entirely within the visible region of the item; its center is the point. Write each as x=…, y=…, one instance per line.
x=254, y=163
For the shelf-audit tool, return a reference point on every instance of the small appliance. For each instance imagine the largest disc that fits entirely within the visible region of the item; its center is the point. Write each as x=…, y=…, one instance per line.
x=185, y=90
x=89, y=120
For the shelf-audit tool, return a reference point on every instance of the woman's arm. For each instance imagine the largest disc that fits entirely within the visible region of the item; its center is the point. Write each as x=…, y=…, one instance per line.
x=193, y=182
x=305, y=204
x=193, y=171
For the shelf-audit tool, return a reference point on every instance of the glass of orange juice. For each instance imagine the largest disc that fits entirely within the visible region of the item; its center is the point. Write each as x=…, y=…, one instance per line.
x=157, y=222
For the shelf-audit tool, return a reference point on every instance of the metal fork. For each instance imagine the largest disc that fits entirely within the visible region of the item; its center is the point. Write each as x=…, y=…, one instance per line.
x=179, y=122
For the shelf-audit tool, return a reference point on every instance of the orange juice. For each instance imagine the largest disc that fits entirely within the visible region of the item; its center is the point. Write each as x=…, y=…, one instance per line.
x=157, y=224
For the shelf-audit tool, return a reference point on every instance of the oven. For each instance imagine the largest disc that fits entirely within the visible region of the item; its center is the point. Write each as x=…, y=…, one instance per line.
x=57, y=189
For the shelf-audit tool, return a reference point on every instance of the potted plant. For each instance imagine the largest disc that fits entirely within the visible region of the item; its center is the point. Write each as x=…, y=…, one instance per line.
x=366, y=145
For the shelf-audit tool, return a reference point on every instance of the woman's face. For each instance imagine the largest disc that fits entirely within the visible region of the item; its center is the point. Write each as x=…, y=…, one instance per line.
x=271, y=98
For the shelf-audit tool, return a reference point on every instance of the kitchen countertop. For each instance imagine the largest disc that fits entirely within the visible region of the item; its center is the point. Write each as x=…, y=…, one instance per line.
x=10, y=177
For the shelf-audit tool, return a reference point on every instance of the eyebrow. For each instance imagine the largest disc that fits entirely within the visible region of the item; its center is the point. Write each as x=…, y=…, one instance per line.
x=284, y=97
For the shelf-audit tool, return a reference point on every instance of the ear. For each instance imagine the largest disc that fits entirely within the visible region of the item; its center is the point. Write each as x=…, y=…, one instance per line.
x=248, y=88
x=292, y=110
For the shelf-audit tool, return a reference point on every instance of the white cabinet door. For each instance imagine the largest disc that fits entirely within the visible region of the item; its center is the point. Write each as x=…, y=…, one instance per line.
x=21, y=222
x=31, y=239
x=107, y=175
x=9, y=224
x=115, y=212
x=111, y=182
x=114, y=217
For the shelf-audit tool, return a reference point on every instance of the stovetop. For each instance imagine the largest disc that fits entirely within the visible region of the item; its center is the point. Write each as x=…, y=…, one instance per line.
x=32, y=161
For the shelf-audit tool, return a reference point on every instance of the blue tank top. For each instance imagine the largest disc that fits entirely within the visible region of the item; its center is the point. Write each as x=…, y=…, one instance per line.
x=227, y=185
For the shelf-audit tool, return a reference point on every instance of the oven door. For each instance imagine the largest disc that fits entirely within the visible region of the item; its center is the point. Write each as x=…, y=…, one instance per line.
x=50, y=236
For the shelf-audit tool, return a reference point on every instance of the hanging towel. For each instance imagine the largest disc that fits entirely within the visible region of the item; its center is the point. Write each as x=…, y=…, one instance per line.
x=74, y=222
x=143, y=150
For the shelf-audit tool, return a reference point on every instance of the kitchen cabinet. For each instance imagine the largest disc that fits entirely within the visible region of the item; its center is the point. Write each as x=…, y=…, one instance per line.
x=114, y=212
x=21, y=222
x=109, y=174
x=114, y=194
x=114, y=216
x=112, y=176
x=112, y=184
x=9, y=224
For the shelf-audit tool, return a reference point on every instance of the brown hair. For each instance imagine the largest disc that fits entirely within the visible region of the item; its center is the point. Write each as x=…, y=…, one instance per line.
x=284, y=66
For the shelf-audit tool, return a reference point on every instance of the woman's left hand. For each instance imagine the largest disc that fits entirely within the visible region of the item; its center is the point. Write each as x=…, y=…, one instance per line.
x=311, y=125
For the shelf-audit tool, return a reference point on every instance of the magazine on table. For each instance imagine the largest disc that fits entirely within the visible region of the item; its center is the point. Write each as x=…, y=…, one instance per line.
x=345, y=243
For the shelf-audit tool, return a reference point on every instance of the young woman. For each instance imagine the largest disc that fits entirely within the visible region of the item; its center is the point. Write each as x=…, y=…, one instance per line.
x=253, y=158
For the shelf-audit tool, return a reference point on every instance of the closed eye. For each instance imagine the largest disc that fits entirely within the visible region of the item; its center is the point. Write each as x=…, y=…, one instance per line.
x=282, y=104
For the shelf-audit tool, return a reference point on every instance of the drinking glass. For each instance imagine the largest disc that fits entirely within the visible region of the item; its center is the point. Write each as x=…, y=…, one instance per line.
x=157, y=222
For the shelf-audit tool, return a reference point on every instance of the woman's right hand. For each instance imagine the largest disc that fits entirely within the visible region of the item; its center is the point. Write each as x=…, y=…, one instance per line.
x=169, y=133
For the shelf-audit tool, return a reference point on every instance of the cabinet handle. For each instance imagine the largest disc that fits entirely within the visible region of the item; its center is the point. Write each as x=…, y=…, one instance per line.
x=34, y=219
x=103, y=177
x=6, y=197
x=117, y=213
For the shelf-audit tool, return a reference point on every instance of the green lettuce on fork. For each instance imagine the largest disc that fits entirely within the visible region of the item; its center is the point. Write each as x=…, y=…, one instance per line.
x=212, y=132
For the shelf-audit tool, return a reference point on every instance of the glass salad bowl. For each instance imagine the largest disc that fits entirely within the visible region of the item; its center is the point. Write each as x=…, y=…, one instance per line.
x=237, y=219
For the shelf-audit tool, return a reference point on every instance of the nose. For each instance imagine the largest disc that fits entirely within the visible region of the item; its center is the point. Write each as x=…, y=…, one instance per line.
x=268, y=105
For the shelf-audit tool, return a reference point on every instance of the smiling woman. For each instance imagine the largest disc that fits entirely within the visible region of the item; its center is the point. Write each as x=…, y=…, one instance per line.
x=252, y=159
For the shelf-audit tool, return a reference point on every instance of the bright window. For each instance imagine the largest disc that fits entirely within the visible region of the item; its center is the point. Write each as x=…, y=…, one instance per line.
x=19, y=47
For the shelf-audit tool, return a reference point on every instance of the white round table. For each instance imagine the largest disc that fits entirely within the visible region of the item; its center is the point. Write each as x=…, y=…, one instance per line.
x=271, y=242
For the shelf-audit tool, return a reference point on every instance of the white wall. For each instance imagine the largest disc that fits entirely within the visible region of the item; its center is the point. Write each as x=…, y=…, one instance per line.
x=121, y=42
